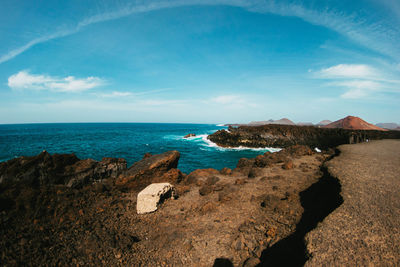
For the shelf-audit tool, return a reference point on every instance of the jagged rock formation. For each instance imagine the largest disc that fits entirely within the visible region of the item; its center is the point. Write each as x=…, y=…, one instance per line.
x=144, y=172
x=287, y=135
x=63, y=169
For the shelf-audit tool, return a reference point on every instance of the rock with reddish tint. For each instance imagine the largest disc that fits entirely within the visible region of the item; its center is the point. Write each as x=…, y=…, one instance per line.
x=189, y=135
x=288, y=165
x=245, y=163
x=200, y=175
x=147, y=155
x=226, y=171
x=205, y=190
x=173, y=176
x=141, y=173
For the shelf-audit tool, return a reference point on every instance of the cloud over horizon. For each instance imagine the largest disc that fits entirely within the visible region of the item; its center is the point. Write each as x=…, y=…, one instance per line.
x=25, y=80
x=359, y=80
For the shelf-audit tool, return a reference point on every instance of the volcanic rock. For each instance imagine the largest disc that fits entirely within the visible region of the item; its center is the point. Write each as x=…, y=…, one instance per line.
x=200, y=175
x=287, y=135
x=67, y=169
x=226, y=171
x=142, y=173
x=149, y=198
x=189, y=135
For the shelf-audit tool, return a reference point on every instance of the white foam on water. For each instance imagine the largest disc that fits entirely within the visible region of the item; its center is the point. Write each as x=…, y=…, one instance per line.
x=208, y=144
x=221, y=125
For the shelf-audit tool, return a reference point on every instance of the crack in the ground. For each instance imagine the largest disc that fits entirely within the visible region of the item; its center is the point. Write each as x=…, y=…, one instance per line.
x=318, y=201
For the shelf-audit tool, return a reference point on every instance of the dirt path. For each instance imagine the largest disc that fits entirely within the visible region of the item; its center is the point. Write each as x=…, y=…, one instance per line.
x=365, y=229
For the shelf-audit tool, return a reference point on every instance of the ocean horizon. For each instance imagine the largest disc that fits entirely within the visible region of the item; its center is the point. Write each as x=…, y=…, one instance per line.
x=122, y=140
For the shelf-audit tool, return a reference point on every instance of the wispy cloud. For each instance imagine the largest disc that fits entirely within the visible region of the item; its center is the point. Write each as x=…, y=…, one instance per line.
x=25, y=80
x=232, y=101
x=380, y=36
x=119, y=94
x=358, y=80
x=116, y=94
x=349, y=71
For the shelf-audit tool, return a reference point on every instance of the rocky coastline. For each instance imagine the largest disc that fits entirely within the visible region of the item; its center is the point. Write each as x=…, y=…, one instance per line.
x=287, y=135
x=60, y=210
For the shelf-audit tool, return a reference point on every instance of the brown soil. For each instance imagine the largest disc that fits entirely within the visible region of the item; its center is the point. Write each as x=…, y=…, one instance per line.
x=229, y=217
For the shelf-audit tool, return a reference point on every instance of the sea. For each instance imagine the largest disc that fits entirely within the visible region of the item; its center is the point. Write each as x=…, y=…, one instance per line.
x=123, y=140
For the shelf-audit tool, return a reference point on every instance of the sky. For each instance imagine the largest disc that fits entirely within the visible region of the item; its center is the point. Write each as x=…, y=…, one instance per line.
x=192, y=61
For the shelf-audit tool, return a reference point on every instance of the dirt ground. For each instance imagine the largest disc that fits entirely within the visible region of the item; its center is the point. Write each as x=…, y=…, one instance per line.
x=365, y=229
x=231, y=218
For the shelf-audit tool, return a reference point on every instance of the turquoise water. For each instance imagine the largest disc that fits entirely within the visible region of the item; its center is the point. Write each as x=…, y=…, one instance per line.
x=125, y=140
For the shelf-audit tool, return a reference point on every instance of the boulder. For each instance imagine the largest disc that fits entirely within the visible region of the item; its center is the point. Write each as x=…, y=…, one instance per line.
x=200, y=175
x=89, y=170
x=153, y=195
x=189, y=135
x=142, y=173
x=226, y=171
x=173, y=176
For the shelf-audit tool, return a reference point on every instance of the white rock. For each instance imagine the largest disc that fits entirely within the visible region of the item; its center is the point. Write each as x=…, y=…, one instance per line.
x=149, y=198
x=317, y=150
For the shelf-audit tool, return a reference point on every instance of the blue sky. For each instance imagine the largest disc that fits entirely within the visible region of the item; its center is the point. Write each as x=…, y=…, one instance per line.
x=199, y=61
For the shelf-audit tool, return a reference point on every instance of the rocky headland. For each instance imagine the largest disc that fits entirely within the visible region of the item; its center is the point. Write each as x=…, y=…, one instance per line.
x=288, y=135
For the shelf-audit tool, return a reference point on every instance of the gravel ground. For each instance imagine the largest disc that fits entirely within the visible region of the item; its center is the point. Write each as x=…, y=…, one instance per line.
x=365, y=229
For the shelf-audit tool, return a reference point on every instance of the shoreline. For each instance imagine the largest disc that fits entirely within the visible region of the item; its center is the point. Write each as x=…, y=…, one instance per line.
x=258, y=212
x=213, y=206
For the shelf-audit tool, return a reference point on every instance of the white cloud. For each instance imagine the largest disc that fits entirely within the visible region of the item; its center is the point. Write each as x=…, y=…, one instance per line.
x=232, y=101
x=25, y=80
x=358, y=80
x=359, y=88
x=116, y=94
x=349, y=71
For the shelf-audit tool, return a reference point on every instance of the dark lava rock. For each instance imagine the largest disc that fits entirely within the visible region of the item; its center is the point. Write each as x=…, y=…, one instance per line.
x=141, y=173
x=200, y=176
x=226, y=171
x=189, y=135
x=67, y=169
x=288, y=135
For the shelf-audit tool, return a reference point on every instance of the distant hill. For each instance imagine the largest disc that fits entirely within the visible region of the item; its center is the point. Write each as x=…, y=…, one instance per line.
x=324, y=122
x=353, y=123
x=283, y=121
x=304, y=124
x=388, y=125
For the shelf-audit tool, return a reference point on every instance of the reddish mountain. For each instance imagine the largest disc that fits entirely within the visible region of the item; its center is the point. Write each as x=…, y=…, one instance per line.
x=353, y=123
